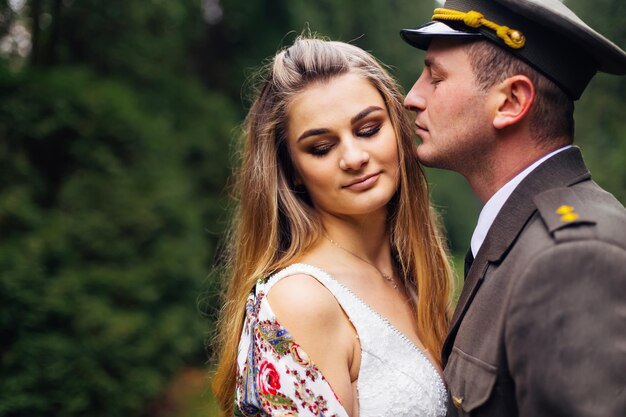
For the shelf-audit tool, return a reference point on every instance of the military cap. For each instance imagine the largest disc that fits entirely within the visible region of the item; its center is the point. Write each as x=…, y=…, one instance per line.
x=543, y=33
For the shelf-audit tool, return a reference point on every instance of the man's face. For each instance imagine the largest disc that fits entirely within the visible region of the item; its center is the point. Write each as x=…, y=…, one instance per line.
x=452, y=113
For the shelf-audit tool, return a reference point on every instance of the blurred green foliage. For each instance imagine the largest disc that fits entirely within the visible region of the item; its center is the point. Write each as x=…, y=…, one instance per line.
x=113, y=159
x=116, y=142
x=103, y=215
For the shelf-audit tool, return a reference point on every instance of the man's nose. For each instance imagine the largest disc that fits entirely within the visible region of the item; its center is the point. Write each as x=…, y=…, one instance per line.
x=415, y=100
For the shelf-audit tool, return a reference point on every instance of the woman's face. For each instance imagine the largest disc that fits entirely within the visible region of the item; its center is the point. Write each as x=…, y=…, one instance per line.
x=343, y=146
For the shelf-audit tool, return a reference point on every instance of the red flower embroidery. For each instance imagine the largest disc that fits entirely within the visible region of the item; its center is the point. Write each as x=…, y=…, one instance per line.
x=268, y=378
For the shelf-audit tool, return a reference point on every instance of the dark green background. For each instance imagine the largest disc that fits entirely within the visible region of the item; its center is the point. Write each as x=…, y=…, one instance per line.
x=117, y=135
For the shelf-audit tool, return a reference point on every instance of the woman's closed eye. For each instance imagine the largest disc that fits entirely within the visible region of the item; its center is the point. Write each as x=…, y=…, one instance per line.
x=320, y=149
x=368, y=130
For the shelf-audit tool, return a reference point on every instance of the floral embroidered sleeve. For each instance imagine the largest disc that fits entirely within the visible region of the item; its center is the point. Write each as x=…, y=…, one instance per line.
x=274, y=374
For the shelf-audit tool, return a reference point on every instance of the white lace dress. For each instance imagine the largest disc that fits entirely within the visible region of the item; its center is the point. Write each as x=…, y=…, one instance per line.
x=275, y=376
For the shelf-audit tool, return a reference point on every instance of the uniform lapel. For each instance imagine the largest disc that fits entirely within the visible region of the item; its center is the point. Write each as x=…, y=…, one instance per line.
x=563, y=169
x=469, y=260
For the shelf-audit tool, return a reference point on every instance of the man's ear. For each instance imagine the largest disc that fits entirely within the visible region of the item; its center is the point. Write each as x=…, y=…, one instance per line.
x=516, y=95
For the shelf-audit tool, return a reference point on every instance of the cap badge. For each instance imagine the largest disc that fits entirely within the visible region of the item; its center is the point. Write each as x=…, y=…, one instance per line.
x=567, y=213
x=512, y=38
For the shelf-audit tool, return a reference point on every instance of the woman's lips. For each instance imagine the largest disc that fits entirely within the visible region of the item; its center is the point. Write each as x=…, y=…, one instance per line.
x=363, y=183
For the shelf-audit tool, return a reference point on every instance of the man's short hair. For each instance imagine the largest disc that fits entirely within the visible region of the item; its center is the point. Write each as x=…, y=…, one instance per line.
x=552, y=113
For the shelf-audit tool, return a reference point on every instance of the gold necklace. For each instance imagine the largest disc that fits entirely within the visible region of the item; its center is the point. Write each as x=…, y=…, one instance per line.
x=386, y=277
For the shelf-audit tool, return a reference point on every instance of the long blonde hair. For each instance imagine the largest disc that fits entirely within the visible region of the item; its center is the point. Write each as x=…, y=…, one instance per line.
x=274, y=222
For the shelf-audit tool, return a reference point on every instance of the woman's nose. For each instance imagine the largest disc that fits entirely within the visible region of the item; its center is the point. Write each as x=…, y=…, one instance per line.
x=354, y=157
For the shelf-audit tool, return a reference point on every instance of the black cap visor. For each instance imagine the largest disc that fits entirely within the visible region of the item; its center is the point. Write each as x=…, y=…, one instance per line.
x=421, y=36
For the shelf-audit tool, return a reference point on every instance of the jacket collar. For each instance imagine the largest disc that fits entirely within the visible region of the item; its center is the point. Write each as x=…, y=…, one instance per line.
x=564, y=169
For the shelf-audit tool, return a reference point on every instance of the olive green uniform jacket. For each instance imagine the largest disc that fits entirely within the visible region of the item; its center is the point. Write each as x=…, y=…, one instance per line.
x=540, y=326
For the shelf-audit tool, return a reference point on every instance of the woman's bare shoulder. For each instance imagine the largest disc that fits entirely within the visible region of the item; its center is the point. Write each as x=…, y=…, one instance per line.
x=302, y=299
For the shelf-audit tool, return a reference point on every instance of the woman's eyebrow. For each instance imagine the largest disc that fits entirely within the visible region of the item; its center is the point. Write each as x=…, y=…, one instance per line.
x=364, y=113
x=312, y=132
x=321, y=131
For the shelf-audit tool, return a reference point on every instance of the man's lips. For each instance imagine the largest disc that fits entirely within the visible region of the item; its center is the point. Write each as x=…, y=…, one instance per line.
x=363, y=182
x=420, y=127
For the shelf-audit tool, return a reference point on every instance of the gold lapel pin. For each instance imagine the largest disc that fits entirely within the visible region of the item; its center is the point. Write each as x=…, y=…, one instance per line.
x=457, y=401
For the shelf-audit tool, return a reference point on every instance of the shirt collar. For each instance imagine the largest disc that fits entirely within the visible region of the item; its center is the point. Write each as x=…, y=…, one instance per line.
x=494, y=204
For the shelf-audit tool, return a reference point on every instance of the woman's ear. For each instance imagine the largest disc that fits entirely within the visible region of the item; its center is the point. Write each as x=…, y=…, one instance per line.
x=515, y=98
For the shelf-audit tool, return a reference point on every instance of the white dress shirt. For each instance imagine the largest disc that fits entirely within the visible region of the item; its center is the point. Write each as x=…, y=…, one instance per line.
x=494, y=204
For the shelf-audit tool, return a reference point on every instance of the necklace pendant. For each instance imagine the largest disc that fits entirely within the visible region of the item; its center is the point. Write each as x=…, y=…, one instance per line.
x=390, y=280
x=386, y=277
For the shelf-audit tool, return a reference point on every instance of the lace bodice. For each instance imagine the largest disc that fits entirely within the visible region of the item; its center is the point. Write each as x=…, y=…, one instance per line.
x=395, y=377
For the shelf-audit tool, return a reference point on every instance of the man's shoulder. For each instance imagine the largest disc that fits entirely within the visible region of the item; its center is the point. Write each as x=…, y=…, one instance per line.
x=582, y=212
